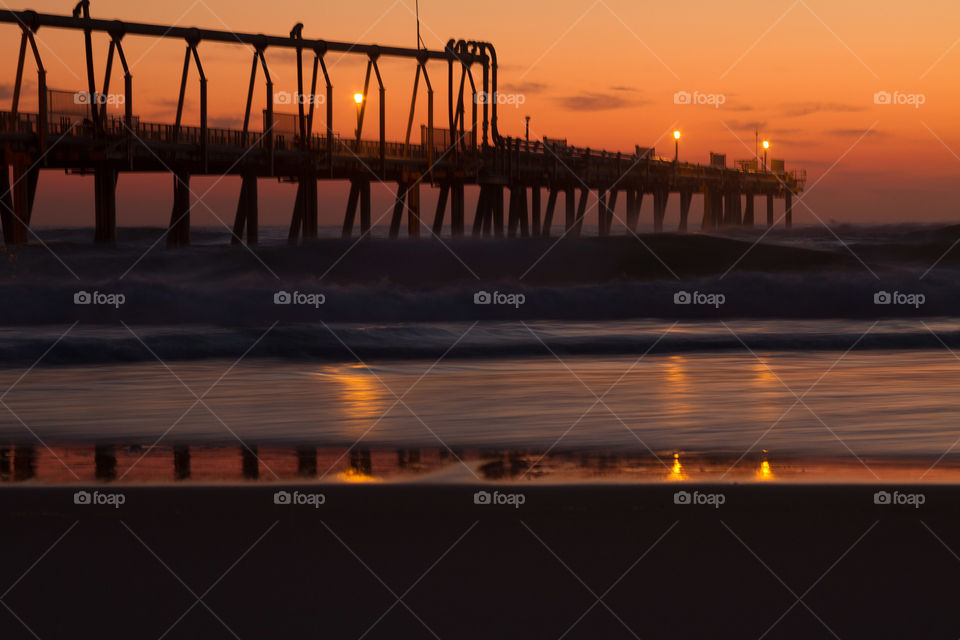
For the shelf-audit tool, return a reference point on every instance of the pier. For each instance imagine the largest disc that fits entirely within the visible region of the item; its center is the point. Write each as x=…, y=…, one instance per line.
x=521, y=182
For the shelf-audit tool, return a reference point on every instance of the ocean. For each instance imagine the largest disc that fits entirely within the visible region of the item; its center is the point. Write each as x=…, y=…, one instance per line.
x=584, y=345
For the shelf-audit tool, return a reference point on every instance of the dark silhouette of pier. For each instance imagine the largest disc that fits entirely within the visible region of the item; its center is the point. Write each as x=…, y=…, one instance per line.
x=75, y=131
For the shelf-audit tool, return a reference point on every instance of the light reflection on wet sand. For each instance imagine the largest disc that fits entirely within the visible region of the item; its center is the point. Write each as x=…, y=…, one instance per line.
x=109, y=463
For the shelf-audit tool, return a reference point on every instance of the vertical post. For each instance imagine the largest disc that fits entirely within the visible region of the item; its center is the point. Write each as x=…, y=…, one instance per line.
x=413, y=210
x=7, y=214
x=514, y=215
x=748, y=212
x=611, y=210
x=548, y=216
x=24, y=190
x=602, y=212
x=308, y=182
x=398, y=207
x=769, y=209
x=497, y=191
x=581, y=212
x=535, y=205
x=441, y=209
x=364, y=207
x=570, y=207
x=457, y=209
x=105, y=204
x=252, y=208
x=788, y=199
x=686, y=197
x=351, y=212
x=482, y=203
x=179, y=232
x=659, y=208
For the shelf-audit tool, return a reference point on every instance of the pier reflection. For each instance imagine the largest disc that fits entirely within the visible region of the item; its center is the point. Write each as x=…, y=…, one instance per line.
x=131, y=464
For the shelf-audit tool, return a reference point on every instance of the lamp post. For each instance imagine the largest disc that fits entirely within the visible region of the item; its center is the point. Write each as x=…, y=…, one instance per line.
x=676, y=148
x=359, y=98
x=766, y=145
x=528, y=128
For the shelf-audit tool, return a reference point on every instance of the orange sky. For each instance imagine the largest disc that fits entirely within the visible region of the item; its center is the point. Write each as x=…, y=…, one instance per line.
x=600, y=73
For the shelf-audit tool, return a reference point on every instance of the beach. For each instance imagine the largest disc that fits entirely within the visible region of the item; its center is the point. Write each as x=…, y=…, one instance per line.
x=469, y=570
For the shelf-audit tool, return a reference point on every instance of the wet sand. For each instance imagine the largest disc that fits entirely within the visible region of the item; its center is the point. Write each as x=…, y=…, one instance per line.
x=467, y=570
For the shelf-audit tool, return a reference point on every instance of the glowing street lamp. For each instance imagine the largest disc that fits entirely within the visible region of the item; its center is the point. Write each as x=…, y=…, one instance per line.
x=766, y=145
x=676, y=141
x=359, y=99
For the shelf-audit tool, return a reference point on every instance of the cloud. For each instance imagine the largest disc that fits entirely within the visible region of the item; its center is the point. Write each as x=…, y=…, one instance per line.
x=527, y=88
x=226, y=122
x=595, y=102
x=748, y=125
x=798, y=109
x=622, y=88
x=856, y=133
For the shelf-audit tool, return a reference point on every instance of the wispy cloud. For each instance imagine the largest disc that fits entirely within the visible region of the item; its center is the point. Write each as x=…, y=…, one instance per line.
x=596, y=102
x=798, y=109
x=856, y=133
x=527, y=88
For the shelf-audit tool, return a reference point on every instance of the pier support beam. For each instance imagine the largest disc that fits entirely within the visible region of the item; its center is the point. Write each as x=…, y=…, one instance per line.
x=769, y=209
x=548, y=215
x=535, y=209
x=788, y=199
x=482, y=216
x=248, y=214
x=105, y=205
x=458, y=208
x=732, y=213
x=398, y=207
x=305, y=210
x=359, y=195
x=748, y=215
x=441, y=209
x=570, y=206
x=519, y=218
x=712, y=209
x=413, y=210
x=602, y=213
x=16, y=207
x=179, y=232
x=659, y=208
x=497, y=192
x=407, y=201
x=634, y=205
x=686, y=198
x=581, y=212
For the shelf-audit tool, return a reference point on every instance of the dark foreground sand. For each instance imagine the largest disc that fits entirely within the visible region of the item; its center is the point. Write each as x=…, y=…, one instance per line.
x=481, y=571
